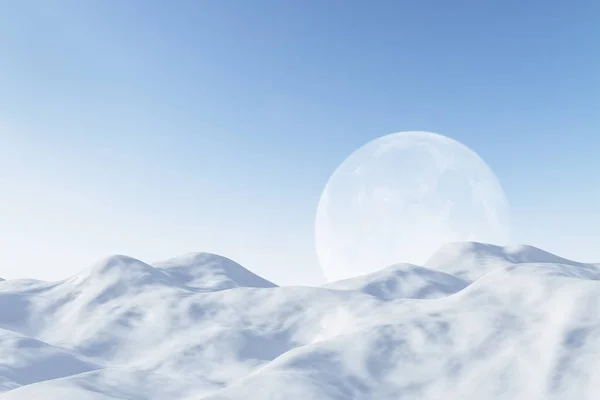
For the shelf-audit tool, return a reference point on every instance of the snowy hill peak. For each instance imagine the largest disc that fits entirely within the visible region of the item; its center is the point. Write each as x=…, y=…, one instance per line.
x=194, y=271
x=118, y=268
x=471, y=260
x=519, y=254
x=206, y=271
x=403, y=281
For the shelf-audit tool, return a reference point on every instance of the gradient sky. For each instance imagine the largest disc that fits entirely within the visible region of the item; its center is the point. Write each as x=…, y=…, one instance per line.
x=156, y=128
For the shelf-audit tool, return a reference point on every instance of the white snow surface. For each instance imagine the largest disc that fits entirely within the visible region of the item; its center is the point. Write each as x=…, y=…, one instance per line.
x=479, y=322
x=406, y=281
x=471, y=260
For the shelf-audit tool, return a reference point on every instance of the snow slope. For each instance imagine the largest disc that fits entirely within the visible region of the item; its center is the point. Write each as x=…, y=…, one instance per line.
x=24, y=360
x=471, y=260
x=403, y=281
x=516, y=323
x=110, y=384
x=211, y=272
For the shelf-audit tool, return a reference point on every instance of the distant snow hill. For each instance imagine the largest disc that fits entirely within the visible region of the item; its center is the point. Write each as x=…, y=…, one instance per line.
x=478, y=322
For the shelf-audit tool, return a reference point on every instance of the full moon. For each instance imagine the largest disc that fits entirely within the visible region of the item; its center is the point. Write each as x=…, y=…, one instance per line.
x=399, y=198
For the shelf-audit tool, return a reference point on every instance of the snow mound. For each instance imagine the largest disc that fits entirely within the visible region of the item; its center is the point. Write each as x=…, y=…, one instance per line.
x=119, y=270
x=24, y=360
x=210, y=272
x=403, y=281
x=471, y=260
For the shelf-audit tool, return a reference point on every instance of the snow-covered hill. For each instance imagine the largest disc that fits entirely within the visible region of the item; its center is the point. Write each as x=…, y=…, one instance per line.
x=471, y=260
x=403, y=281
x=24, y=360
x=479, y=322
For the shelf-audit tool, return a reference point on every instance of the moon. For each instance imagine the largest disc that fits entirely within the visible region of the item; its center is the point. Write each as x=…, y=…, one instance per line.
x=399, y=198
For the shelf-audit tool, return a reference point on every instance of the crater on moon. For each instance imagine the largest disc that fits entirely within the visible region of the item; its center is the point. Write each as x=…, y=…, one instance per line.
x=399, y=198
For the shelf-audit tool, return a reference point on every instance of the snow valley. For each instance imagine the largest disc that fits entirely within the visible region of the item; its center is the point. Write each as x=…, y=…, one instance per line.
x=476, y=322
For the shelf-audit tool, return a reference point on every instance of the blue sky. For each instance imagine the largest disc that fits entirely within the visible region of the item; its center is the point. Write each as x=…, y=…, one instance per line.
x=155, y=128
